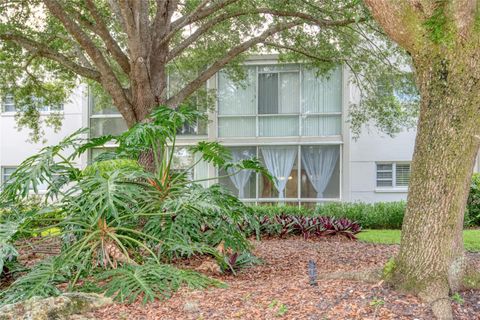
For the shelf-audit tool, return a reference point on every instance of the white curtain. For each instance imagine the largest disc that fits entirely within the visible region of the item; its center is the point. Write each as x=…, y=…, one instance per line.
x=279, y=161
x=289, y=92
x=319, y=163
x=322, y=94
x=240, y=179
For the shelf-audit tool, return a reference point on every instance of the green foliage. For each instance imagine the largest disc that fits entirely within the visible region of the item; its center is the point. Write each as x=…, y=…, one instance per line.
x=27, y=70
x=471, y=238
x=472, y=215
x=457, y=297
x=389, y=269
x=381, y=215
x=150, y=280
x=117, y=220
x=438, y=24
x=41, y=281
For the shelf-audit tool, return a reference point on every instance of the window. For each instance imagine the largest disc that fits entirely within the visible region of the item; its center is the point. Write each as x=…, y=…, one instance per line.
x=402, y=174
x=393, y=175
x=182, y=159
x=6, y=173
x=308, y=172
x=105, y=125
x=9, y=105
x=279, y=101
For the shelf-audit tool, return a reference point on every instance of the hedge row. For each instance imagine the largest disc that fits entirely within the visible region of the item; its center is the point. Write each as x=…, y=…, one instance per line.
x=382, y=215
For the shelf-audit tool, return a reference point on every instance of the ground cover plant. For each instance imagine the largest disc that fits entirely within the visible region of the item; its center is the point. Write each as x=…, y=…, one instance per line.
x=471, y=238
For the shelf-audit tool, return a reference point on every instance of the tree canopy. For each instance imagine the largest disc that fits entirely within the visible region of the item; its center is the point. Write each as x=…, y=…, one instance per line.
x=127, y=49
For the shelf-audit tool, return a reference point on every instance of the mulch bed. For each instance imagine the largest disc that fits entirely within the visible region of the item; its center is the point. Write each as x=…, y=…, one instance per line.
x=279, y=289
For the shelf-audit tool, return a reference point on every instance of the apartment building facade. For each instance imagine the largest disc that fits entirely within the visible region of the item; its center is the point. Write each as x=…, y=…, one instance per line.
x=292, y=120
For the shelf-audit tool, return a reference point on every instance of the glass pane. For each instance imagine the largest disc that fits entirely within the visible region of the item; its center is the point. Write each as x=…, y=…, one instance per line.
x=237, y=98
x=200, y=171
x=289, y=92
x=322, y=94
x=384, y=175
x=268, y=93
x=8, y=104
x=384, y=167
x=320, y=172
x=279, y=162
x=6, y=173
x=182, y=158
x=104, y=126
x=402, y=175
x=384, y=183
x=243, y=184
x=236, y=127
x=285, y=126
x=102, y=108
x=322, y=125
x=198, y=128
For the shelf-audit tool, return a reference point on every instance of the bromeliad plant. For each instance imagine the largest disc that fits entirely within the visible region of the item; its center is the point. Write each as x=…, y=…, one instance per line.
x=128, y=213
x=308, y=227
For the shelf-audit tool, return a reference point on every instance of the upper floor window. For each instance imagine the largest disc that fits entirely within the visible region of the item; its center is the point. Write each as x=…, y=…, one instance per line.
x=6, y=173
x=393, y=174
x=9, y=105
x=280, y=100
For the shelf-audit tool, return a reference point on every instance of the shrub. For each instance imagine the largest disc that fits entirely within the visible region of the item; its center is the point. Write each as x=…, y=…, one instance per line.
x=382, y=215
x=122, y=220
x=308, y=227
x=472, y=215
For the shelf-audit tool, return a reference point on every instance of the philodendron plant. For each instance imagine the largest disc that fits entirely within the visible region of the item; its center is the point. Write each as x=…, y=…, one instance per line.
x=121, y=220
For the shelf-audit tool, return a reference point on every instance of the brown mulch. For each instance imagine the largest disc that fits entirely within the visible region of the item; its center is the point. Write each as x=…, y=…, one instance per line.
x=279, y=289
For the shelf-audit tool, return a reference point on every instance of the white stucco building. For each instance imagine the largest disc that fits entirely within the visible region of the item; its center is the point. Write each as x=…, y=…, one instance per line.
x=284, y=115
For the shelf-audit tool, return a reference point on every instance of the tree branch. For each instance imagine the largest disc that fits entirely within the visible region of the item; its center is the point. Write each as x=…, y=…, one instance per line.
x=200, y=31
x=198, y=14
x=225, y=16
x=398, y=20
x=108, y=78
x=303, y=52
x=42, y=50
x=219, y=64
x=110, y=43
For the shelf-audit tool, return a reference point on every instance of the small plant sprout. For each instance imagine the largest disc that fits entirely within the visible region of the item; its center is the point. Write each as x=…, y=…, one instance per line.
x=376, y=303
x=281, y=309
x=457, y=297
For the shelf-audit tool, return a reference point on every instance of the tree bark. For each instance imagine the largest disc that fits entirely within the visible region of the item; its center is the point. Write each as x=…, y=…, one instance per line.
x=431, y=261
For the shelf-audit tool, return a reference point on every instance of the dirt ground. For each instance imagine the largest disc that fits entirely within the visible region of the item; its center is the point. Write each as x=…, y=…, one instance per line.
x=279, y=289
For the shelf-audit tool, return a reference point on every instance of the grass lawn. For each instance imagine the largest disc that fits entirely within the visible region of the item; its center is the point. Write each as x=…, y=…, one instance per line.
x=471, y=238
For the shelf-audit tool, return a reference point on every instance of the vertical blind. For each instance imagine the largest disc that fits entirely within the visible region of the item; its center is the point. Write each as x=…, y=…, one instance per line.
x=283, y=99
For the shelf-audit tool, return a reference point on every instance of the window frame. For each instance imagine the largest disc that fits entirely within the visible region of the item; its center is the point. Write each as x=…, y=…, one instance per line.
x=394, y=186
x=3, y=180
x=45, y=109
x=258, y=200
x=302, y=114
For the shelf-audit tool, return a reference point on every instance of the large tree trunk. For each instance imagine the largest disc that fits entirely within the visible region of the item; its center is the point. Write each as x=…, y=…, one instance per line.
x=431, y=261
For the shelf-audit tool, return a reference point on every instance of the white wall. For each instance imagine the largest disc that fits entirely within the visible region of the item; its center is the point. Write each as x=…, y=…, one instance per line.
x=14, y=144
x=371, y=147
